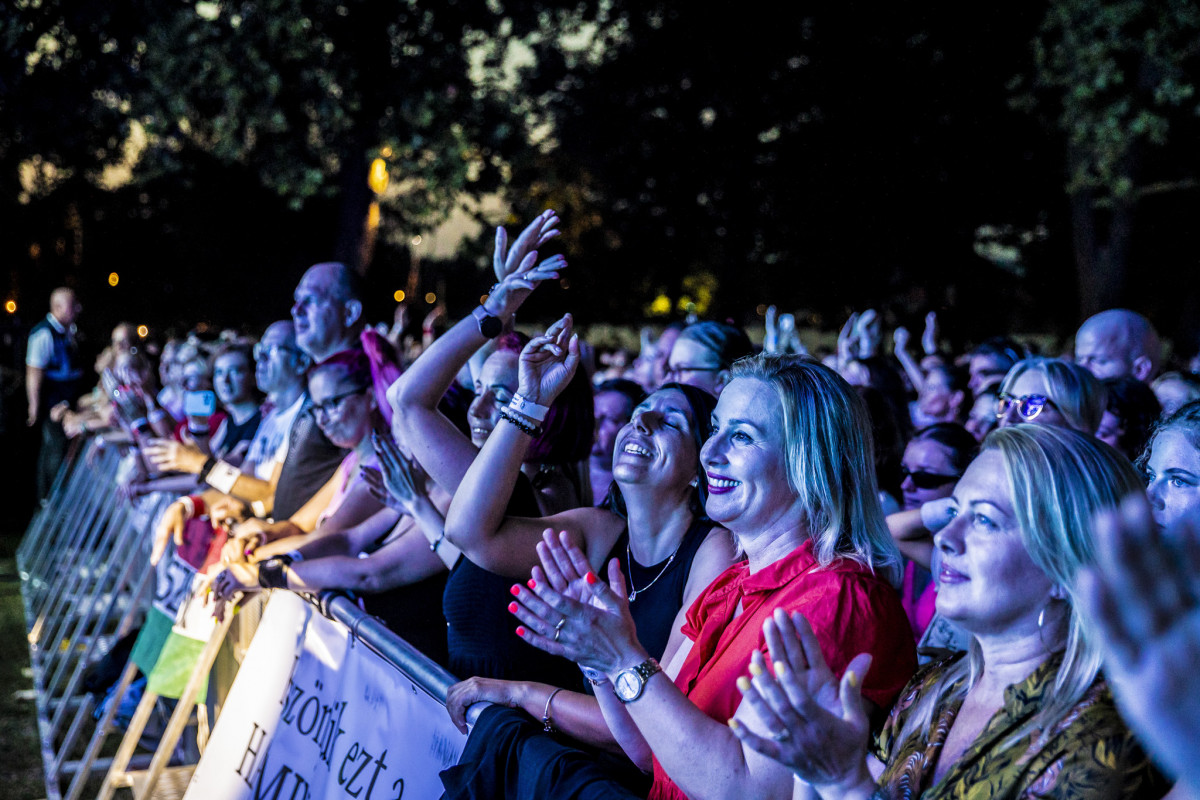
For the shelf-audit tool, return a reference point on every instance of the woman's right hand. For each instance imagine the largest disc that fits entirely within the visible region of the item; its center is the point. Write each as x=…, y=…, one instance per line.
x=816, y=725
x=399, y=483
x=465, y=694
x=548, y=362
x=517, y=269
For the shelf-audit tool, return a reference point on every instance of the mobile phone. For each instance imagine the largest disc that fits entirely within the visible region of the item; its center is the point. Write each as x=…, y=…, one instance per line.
x=199, y=404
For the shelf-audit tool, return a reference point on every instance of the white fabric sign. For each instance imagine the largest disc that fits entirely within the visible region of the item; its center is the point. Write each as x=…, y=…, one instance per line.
x=313, y=715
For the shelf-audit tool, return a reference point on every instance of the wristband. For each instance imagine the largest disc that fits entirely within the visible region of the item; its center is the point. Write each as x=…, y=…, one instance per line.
x=222, y=477
x=534, y=411
x=209, y=463
x=512, y=419
x=293, y=556
x=194, y=505
x=259, y=508
x=189, y=507
x=271, y=573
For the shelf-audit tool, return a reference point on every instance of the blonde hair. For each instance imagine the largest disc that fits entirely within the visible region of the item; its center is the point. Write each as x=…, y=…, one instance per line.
x=1059, y=480
x=830, y=460
x=1078, y=394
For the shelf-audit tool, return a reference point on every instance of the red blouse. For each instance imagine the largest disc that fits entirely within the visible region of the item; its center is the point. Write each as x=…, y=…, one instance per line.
x=851, y=611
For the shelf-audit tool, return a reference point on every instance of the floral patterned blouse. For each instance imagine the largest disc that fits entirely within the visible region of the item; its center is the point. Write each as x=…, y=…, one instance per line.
x=1089, y=754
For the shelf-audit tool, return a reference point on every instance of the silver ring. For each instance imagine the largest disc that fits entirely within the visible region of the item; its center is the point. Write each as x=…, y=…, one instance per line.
x=781, y=736
x=558, y=628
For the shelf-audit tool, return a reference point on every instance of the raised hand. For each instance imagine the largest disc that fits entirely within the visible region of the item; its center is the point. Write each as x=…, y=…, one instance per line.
x=929, y=339
x=1143, y=598
x=816, y=725
x=548, y=362
x=847, y=342
x=771, y=337
x=506, y=260
x=869, y=332
x=900, y=338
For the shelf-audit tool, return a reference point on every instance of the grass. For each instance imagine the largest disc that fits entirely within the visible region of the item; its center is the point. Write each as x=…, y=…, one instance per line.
x=20, y=756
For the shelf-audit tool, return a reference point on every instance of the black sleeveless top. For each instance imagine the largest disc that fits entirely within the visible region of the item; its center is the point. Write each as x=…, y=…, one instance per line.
x=660, y=586
x=414, y=613
x=480, y=631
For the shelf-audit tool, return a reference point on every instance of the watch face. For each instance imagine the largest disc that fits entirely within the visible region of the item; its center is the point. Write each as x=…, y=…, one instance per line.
x=628, y=685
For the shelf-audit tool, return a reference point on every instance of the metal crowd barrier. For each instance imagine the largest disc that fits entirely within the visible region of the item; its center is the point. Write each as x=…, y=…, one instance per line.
x=85, y=580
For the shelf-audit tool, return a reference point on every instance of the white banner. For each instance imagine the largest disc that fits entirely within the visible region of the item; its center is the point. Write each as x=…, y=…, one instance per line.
x=313, y=715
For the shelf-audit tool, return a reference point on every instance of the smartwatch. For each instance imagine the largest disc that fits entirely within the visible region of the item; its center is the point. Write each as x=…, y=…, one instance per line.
x=489, y=326
x=630, y=683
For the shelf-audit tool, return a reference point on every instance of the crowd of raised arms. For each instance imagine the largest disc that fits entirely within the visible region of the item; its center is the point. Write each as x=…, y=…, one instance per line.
x=709, y=569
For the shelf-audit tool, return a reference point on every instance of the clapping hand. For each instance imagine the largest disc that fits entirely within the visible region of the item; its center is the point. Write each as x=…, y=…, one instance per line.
x=817, y=726
x=548, y=362
x=1143, y=598
x=585, y=620
x=400, y=482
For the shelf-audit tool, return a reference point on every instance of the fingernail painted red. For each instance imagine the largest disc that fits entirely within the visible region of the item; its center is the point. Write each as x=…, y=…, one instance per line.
x=591, y=577
x=512, y=608
x=515, y=590
x=531, y=583
x=521, y=631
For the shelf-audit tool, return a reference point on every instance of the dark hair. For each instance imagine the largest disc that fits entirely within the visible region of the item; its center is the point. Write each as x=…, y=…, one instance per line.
x=567, y=431
x=727, y=342
x=1134, y=404
x=701, y=404
x=1001, y=347
x=632, y=391
x=886, y=379
x=354, y=363
x=887, y=437
x=955, y=438
x=958, y=379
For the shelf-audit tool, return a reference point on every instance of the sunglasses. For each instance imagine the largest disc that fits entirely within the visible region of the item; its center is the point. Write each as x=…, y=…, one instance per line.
x=927, y=480
x=1028, y=407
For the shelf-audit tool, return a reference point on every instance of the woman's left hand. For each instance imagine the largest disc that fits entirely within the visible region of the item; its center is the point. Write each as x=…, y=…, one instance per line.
x=597, y=633
x=548, y=362
x=170, y=456
x=232, y=580
x=465, y=694
x=818, y=726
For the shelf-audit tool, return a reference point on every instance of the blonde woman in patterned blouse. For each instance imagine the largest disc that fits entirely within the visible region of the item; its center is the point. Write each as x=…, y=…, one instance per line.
x=1025, y=713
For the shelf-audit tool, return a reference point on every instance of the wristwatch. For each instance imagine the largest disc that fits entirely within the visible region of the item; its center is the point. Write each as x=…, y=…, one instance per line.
x=489, y=326
x=630, y=683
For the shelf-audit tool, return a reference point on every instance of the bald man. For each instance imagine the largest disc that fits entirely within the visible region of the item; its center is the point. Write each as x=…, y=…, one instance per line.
x=53, y=375
x=1119, y=342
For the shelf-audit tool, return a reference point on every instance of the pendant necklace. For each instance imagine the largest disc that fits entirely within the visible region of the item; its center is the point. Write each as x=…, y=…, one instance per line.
x=633, y=593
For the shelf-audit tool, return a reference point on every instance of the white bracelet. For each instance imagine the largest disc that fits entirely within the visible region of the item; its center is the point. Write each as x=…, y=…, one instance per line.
x=223, y=476
x=189, y=506
x=259, y=508
x=528, y=408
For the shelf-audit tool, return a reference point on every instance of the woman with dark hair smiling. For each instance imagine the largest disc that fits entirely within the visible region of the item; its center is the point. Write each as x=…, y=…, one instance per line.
x=652, y=524
x=790, y=475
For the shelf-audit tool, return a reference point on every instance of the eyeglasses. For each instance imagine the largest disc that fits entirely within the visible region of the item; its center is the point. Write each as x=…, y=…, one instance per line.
x=333, y=403
x=264, y=351
x=1028, y=407
x=927, y=480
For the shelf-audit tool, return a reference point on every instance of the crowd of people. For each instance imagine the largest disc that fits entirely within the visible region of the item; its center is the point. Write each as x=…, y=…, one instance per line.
x=707, y=569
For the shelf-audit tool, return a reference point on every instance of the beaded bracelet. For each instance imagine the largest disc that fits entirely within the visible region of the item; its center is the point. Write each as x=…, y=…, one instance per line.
x=518, y=423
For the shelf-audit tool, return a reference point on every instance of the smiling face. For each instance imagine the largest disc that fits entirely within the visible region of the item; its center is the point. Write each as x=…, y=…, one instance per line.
x=494, y=388
x=1173, y=478
x=926, y=458
x=656, y=446
x=748, y=489
x=987, y=582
